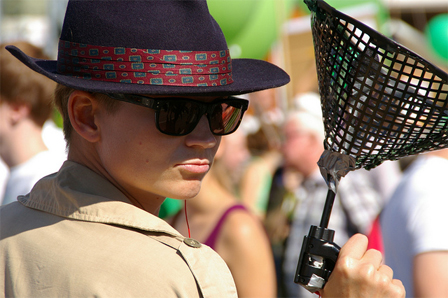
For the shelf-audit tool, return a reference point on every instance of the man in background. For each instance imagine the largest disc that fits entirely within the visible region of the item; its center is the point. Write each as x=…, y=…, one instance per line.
x=414, y=227
x=356, y=204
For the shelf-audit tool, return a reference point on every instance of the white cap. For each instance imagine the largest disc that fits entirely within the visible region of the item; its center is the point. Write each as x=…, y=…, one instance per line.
x=308, y=113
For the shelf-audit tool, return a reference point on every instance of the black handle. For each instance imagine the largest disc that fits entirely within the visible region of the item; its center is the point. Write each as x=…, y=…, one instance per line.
x=317, y=259
x=319, y=253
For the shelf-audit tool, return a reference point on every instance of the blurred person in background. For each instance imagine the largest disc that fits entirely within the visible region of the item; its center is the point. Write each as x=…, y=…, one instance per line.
x=385, y=178
x=263, y=143
x=217, y=219
x=4, y=172
x=259, y=170
x=414, y=227
x=233, y=162
x=25, y=107
x=356, y=204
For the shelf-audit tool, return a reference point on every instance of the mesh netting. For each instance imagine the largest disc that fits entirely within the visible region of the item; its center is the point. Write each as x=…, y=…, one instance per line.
x=380, y=101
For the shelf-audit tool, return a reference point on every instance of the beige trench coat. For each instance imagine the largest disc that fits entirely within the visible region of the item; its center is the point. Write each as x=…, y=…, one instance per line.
x=76, y=235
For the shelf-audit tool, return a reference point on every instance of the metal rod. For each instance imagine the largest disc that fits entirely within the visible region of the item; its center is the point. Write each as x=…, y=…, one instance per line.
x=327, y=209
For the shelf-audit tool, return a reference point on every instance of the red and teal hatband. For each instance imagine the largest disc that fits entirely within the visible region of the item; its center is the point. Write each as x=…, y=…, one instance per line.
x=145, y=66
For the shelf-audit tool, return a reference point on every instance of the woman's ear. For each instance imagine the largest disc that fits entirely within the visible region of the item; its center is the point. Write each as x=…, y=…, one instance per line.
x=82, y=110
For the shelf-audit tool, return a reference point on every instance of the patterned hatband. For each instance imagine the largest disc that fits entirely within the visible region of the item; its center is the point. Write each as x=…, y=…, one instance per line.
x=145, y=66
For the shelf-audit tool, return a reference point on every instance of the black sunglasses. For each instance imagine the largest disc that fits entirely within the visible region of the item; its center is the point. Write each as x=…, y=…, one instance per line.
x=178, y=116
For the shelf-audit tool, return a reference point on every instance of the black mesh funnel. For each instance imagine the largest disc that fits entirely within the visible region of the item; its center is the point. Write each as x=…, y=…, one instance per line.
x=380, y=101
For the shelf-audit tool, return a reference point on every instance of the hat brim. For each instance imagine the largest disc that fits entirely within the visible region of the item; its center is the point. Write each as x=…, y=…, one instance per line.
x=249, y=75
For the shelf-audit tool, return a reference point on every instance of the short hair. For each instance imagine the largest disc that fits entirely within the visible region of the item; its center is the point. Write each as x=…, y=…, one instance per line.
x=20, y=84
x=62, y=94
x=307, y=113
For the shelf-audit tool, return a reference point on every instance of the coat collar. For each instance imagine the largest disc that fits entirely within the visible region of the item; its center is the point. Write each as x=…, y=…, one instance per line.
x=76, y=192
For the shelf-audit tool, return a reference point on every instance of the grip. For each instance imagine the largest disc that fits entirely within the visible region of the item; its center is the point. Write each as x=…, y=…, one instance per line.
x=317, y=259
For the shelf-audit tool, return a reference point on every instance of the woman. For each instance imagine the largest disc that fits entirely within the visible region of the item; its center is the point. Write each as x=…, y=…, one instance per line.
x=217, y=219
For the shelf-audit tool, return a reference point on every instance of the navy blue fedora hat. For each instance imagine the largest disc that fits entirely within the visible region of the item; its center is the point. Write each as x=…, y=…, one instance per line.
x=149, y=47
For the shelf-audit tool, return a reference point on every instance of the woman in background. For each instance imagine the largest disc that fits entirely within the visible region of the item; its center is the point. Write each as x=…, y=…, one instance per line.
x=217, y=219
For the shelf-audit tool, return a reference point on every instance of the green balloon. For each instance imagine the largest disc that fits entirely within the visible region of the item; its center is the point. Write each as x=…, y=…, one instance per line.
x=256, y=39
x=253, y=36
x=436, y=32
x=232, y=15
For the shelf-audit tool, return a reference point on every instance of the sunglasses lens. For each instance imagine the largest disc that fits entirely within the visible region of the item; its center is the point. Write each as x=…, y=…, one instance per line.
x=225, y=118
x=178, y=117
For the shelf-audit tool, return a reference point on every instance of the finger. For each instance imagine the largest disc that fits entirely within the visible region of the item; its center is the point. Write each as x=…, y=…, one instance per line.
x=397, y=283
x=355, y=247
x=374, y=257
x=386, y=270
x=397, y=290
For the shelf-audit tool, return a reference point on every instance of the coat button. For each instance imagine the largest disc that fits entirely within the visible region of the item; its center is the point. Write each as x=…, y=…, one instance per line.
x=192, y=243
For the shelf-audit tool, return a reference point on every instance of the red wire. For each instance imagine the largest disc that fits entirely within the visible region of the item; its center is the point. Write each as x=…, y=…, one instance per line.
x=186, y=218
